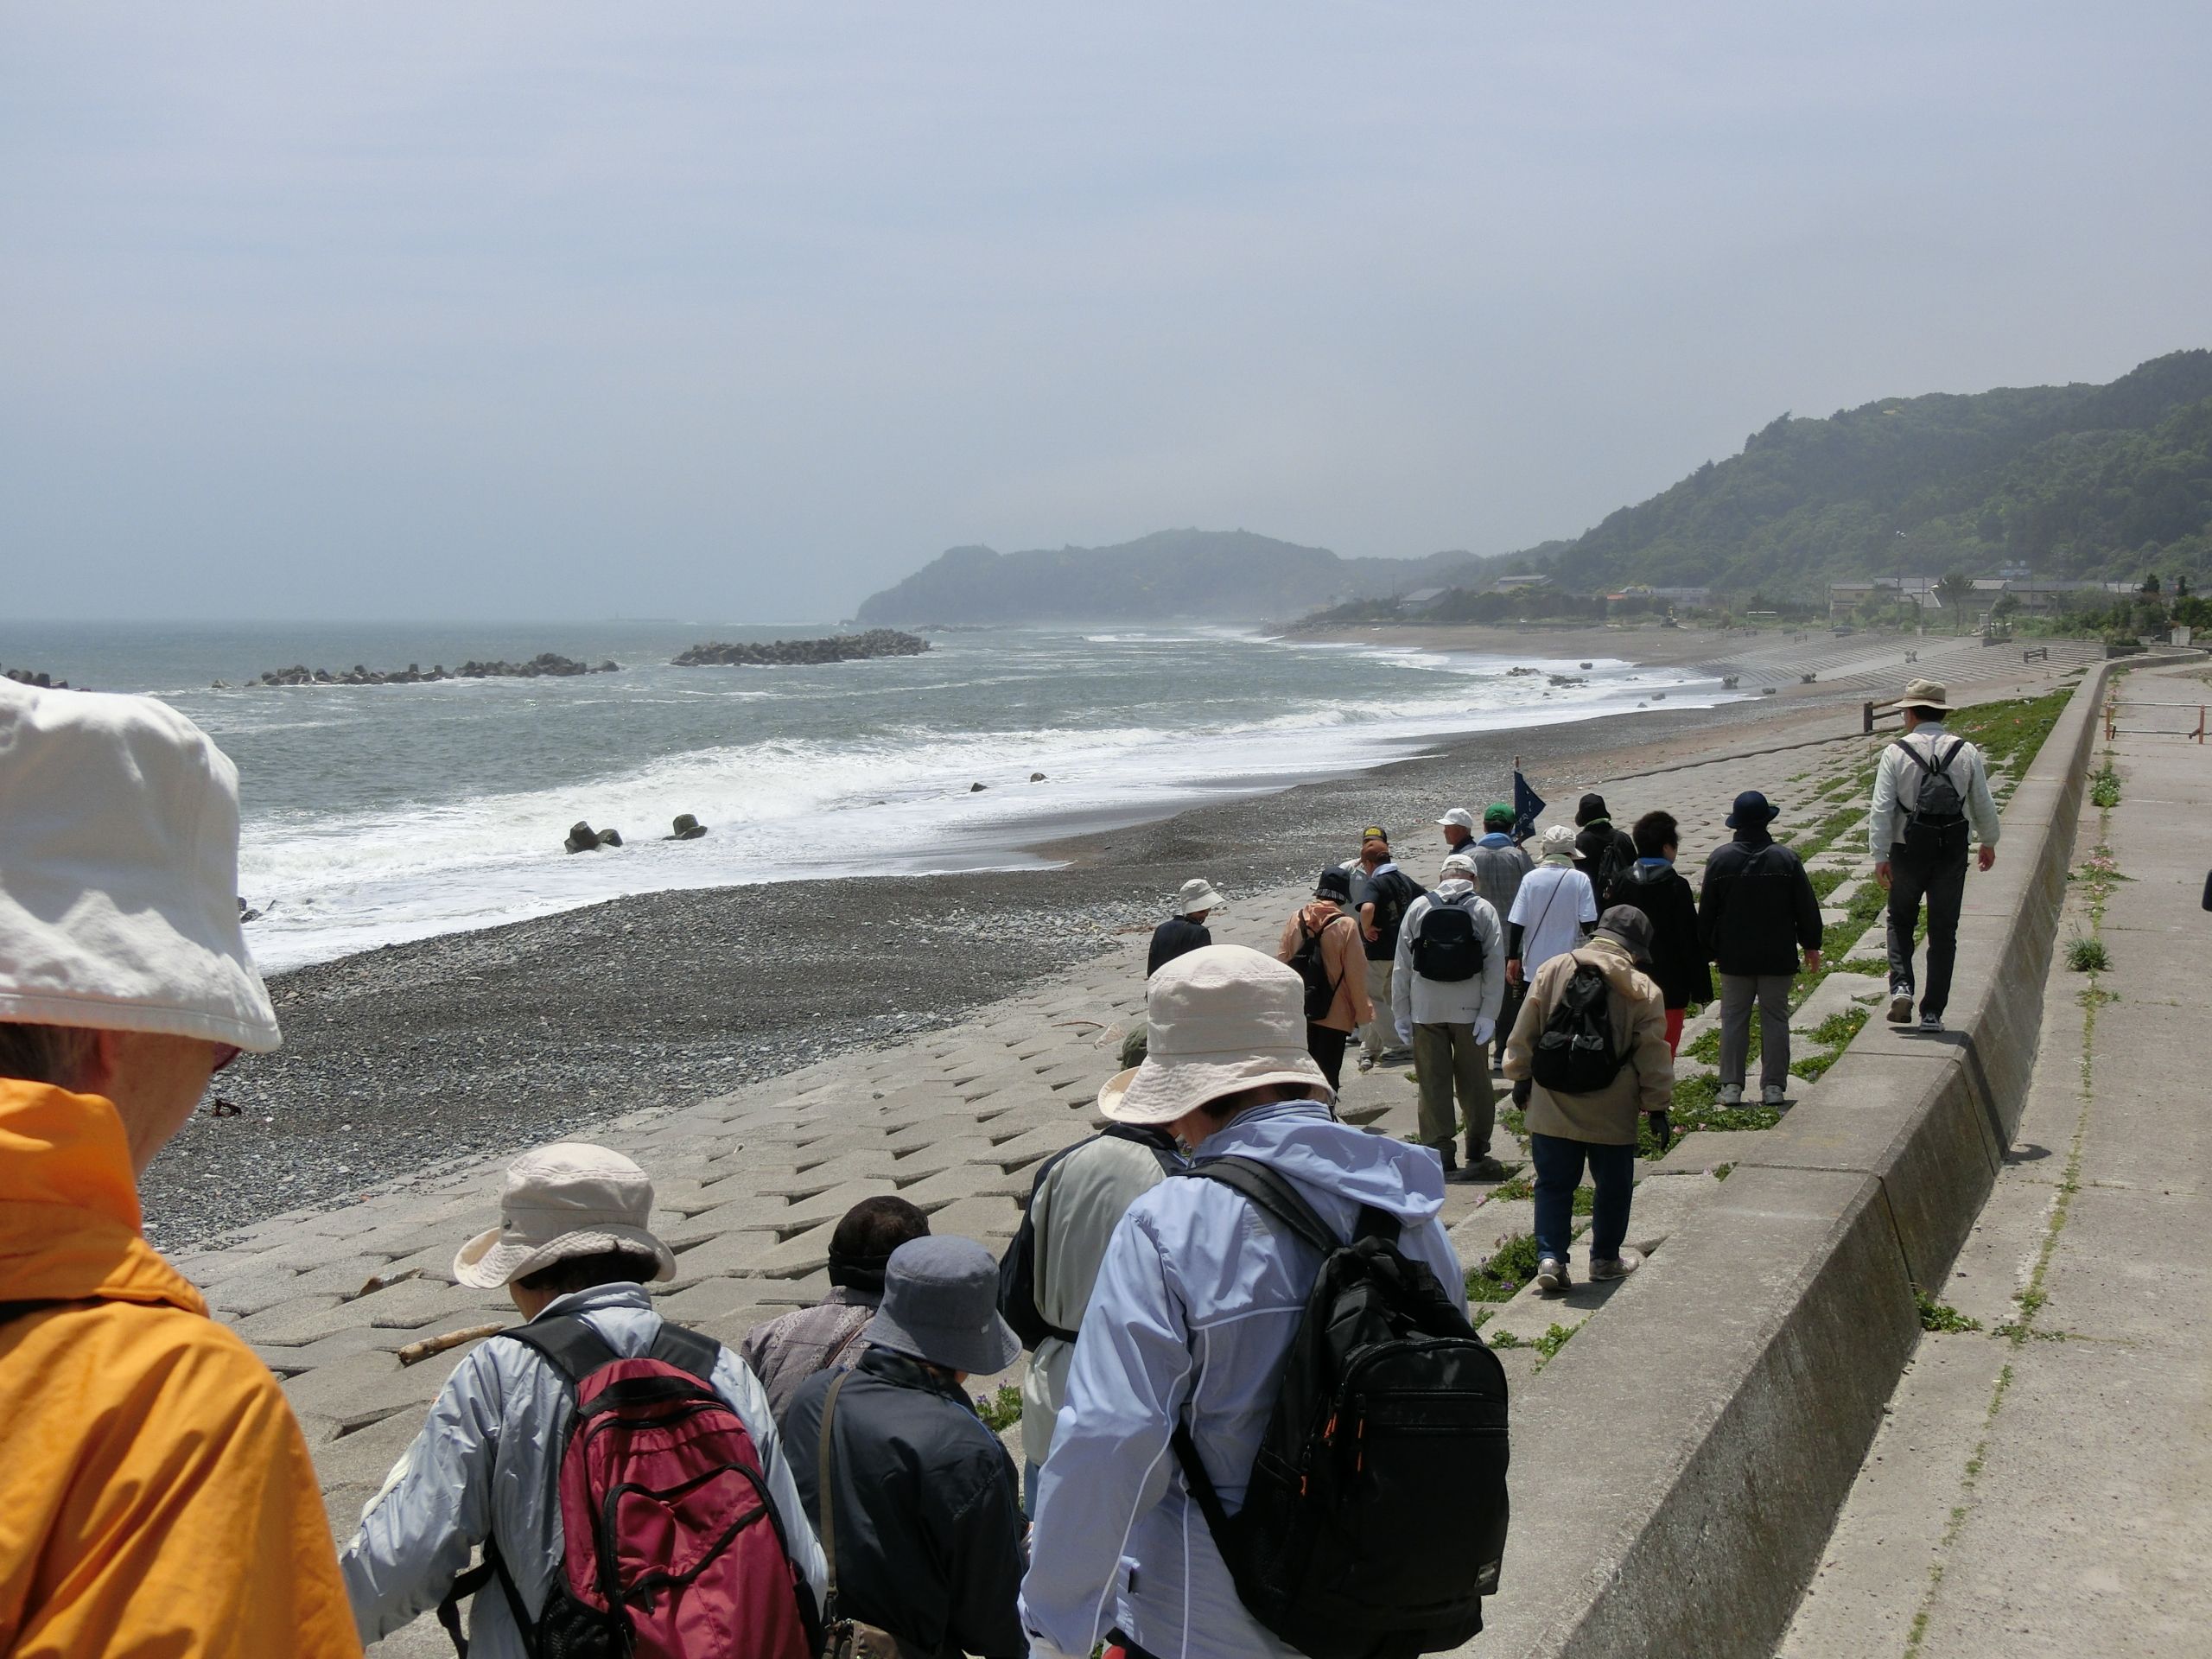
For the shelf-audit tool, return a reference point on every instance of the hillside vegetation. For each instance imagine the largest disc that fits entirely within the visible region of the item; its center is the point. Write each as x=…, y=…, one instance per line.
x=2099, y=482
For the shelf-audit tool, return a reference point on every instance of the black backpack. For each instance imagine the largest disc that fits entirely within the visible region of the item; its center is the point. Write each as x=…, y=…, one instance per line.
x=1939, y=798
x=1447, y=947
x=1392, y=892
x=1612, y=866
x=1321, y=989
x=1018, y=1267
x=1576, y=1054
x=1375, y=1518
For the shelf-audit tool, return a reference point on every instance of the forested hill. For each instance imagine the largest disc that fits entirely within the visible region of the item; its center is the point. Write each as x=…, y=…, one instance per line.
x=2075, y=480
x=1207, y=574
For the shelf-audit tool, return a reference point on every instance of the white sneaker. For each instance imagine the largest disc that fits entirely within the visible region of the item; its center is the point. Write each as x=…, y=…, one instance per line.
x=1732, y=1094
x=1901, y=1007
x=1367, y=1062
x=1773, y=1095
x=1627, y=1262
x=1551, y=1275
x=1931, y=1025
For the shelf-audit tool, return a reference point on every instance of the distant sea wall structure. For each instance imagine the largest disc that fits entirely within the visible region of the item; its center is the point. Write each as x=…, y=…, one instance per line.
x=544, y=664
x=838, y=648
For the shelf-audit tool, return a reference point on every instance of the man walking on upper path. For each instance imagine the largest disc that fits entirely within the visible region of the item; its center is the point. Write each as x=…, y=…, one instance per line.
x=1758, y=909
x=1931, y=801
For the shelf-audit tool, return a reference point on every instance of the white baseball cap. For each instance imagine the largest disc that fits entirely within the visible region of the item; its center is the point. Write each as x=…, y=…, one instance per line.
x=568, y=1200
x=1197, y=895
x=1458, y=864
x=119, y=872
x=1460, y=815
x=1223, y=1018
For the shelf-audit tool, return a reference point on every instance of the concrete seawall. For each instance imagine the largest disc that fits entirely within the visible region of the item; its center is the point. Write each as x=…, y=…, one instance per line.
x=1674, y=1497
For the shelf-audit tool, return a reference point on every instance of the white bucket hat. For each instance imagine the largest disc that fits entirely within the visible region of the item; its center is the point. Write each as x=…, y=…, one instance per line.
x=564, y=1200
x=119, y=872
x=1222, y=1018
x=1559, y=845
x=1196, y=893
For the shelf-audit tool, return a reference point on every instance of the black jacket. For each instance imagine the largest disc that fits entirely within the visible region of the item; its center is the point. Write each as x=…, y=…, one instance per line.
x=1590, y=844
x=1678, y=960
x=928, y=1508
x=1758, y=907
x=1171, y=938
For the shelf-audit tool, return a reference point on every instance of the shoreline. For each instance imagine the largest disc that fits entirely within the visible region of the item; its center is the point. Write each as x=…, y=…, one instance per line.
x=465, y=1045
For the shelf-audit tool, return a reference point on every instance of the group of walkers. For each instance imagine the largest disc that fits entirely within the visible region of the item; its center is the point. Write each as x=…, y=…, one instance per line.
x=1199, y=1284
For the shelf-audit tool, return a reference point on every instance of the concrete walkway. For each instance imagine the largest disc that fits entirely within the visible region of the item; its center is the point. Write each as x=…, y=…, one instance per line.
x=2044, y=1485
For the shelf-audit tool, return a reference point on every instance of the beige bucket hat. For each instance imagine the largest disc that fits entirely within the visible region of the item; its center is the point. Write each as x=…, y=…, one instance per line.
x=1222, y=1018
x=1557, y=845
x=1196, y=893
x=564, y=1200
x=1924, y=694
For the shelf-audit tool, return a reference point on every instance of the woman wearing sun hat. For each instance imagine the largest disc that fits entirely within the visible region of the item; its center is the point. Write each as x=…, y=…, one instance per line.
x=1194, y=1309
x=574, y=1239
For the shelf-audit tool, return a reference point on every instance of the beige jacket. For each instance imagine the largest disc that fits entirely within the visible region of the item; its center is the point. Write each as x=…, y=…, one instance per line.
x=1644, y=1084
x=1342, y=954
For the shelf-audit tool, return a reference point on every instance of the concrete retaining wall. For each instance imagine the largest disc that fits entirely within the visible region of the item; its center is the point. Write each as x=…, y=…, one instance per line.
x=1674, y=1484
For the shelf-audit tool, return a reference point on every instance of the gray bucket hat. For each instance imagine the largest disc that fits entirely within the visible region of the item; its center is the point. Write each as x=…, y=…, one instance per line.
x=941, y=1304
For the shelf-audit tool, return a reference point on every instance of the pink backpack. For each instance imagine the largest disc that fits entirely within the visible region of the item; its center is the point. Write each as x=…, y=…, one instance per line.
x=672, y=1549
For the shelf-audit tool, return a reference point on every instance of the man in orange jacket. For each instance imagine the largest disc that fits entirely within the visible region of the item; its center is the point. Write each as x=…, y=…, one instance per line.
x=156, y=1495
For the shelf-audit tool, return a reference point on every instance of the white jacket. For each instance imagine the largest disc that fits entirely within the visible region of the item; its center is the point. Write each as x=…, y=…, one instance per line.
x=1418, y=1001
x=488, y=1463
x=1897, y=788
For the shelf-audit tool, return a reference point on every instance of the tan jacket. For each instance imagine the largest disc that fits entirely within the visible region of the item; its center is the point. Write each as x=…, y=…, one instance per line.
x=1342, y=954
x=1644, y=1084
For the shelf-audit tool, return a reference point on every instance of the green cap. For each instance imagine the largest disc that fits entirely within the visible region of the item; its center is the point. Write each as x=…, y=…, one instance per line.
x=1497, y=816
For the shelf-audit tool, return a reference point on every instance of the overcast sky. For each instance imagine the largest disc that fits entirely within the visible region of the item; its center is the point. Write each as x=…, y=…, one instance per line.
x=739, y=312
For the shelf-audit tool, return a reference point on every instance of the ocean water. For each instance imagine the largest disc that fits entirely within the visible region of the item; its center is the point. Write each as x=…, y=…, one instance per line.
x=376, y=814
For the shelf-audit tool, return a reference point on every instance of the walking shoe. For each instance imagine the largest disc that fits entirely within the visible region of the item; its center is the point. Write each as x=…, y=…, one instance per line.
x=1931, y=1025
x=1552, y=1274
x=1732, y=1094
x=1367, y=1062
x=1773, y=1095
x=1619, y=1267
x=1477, y=1169
x=1901, y=1007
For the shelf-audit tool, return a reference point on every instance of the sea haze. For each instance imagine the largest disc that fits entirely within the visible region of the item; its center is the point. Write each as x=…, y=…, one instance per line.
x=376, y=814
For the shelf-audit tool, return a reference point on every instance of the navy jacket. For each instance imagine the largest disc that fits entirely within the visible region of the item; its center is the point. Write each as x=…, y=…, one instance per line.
x=1758, y=907
x=1173, y=936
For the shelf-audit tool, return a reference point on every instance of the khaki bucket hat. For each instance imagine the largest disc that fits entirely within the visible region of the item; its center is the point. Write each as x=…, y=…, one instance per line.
x=1924, y=694
x=1222, y=1018
x=1198, y=893
x=1557, y=845
x=565, y=1200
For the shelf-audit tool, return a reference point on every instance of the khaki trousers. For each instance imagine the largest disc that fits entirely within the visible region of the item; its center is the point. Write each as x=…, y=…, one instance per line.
x=1381, y=1032
x=1447, y=1061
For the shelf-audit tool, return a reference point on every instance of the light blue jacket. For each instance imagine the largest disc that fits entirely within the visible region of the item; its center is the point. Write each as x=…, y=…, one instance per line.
x=1193, y=1311
x=487, y=1465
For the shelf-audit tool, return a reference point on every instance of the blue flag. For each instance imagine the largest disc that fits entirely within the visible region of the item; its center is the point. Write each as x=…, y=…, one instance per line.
x=1527, y=804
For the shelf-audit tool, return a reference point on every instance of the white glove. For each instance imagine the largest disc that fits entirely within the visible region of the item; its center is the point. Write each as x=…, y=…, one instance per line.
x=1484, y=1030
x=1405, y=1031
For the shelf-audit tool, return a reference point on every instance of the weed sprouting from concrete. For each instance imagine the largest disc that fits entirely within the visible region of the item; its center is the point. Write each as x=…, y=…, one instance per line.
x=1941, y=1316
x=999, y=1411
x=2085, y=954
x=1512, y=1265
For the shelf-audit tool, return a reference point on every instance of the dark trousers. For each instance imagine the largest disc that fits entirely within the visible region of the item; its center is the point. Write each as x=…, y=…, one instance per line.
x=1559, y=1170
x=1326, y=1046
x=1508, y=1012
x=1941, y=878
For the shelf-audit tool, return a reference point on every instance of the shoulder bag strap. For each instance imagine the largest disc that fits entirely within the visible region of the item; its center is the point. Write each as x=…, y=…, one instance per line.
x=688, y=1350
x=825, y=1477
x=1263, y=1187
x=568, y=1343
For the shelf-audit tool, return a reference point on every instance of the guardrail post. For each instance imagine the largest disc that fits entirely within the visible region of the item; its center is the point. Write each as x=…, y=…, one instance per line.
x=1866, y=719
